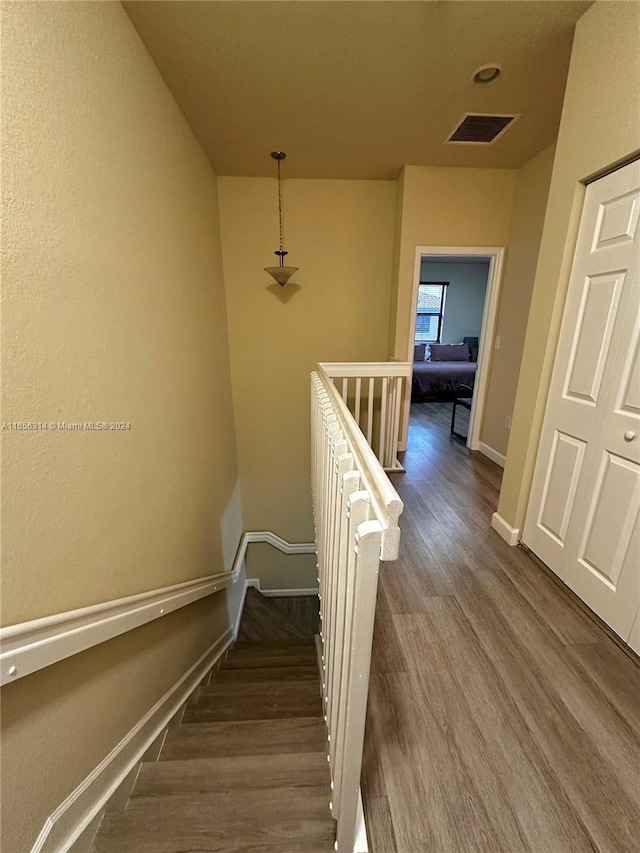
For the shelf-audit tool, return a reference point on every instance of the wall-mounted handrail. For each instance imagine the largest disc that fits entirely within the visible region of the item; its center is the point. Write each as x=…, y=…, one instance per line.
x=29, y=646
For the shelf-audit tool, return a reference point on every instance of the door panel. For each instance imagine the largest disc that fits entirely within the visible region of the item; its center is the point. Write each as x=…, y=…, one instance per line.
x=590, y=347
x=630, y=396
x=562, y=481
x=584, y=509
x=617, y=221
x=608, y=531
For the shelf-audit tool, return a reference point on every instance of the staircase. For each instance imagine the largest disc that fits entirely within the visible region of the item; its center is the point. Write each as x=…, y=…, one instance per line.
x=246, y=771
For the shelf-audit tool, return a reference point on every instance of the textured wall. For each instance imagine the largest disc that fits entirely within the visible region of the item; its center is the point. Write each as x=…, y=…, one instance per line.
x=532, y=191
x=114, y=310
x=600, y=126
x=340, y=234
x=446, y=207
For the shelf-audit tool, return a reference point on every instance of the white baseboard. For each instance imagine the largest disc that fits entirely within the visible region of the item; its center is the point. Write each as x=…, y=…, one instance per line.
x=83, y=806
x=238, y=618
x=362, y=842
x=511, y=535
x=492, y=454
x=280, y=593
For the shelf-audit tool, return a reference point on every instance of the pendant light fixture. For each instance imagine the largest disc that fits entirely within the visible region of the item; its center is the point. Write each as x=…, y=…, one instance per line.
x=281, y=273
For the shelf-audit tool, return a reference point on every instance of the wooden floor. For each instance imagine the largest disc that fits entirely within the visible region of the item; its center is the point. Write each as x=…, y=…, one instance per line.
x=292, y=618
x=501, y=718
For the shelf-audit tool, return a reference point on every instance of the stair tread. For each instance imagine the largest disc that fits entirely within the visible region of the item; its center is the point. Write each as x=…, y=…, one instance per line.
x=266, y=661
x=246, y=737
x=307, y=672
x=262, y=619
x=274, y=646
x=230, y=806
x=255, y=701
x=216, y=825
x=301, y=772
x=267, y=655
x=258, y=689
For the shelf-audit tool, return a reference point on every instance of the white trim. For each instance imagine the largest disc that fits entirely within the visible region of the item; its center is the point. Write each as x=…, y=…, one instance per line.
x=495, y=255
x=362, y=842
x=67, y=823
x=511, y=535
x=30, y=646
x=374, y=369
x=238, y=618
x=280, y=593
x=492, y=454
x=282, y=545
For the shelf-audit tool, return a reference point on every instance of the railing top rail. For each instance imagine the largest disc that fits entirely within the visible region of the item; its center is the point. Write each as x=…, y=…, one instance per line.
x=385, y=500
x=367, y=369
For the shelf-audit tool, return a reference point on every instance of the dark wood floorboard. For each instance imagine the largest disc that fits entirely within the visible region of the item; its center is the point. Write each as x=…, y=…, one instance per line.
x=266, y=618
x=501, y=718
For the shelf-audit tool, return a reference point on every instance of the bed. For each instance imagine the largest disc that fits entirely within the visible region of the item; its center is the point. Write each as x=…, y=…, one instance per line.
x=442, y=380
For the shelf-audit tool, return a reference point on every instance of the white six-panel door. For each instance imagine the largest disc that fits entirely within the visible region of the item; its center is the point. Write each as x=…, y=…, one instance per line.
x=583, y=513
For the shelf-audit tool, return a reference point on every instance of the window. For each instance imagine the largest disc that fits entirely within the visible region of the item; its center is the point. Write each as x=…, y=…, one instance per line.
x=430, y=310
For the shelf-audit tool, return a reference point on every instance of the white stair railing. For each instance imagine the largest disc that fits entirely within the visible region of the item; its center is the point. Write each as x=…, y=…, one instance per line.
x=373, y=392
x=356, y=511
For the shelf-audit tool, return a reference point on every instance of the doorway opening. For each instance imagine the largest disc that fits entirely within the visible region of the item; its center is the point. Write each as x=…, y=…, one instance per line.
x=452, y=324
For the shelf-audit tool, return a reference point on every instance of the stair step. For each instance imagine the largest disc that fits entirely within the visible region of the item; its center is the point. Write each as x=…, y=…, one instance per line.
x=272, y=673
x=255, y=701
x=253, y=737
x=301, y=772
x=266, y=646
x=261, y=620
x=303, y=611
x=221, y=823
x=260, y=655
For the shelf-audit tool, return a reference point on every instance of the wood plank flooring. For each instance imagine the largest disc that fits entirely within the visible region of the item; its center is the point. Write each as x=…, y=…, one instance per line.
x=501, y=717
x=292, y=618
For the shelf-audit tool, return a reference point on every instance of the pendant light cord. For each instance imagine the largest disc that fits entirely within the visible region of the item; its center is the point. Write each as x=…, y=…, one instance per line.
x=280, y=210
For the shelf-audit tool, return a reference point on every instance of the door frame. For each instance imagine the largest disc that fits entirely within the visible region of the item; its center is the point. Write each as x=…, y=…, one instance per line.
x=495, y=256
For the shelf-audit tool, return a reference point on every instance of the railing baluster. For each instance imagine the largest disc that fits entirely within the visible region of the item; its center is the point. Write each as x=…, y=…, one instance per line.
x=383, y=419
x=356, y=512
x=367, y=547
x=383, y=435
x=370, y=400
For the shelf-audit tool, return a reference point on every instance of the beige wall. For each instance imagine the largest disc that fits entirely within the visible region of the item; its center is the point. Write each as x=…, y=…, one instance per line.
x=340, y=235
x=532, y=190
x=276, y=570
x=446, y=207
x=600, y=126
x=114, y=310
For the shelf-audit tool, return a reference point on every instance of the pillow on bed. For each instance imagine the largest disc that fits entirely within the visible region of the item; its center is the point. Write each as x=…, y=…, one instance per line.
x=449, y=352
x=419, y=351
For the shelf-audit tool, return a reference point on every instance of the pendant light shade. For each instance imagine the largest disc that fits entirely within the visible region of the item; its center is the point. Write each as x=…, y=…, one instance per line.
x=281, y=273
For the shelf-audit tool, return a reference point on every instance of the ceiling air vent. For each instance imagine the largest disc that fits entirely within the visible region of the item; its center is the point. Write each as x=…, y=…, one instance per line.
x=481, y=129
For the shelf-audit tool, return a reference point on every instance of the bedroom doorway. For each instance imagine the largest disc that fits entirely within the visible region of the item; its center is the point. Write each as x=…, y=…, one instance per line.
x=449, y=307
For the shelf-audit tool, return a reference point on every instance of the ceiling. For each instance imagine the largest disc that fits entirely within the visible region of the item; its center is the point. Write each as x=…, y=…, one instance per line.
x=359, y=88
